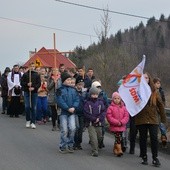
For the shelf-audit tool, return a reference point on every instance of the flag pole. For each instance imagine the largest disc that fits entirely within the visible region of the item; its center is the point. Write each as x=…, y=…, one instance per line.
x=30, y=86
x=54, y=51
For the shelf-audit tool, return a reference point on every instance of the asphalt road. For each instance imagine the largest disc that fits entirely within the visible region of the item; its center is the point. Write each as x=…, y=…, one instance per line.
x=37, y=149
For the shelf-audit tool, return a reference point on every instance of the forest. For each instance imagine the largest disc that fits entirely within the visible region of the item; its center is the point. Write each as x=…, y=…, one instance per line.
x=117, y=55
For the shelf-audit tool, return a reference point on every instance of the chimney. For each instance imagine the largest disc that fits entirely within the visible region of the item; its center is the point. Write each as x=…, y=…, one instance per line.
x=31, y=53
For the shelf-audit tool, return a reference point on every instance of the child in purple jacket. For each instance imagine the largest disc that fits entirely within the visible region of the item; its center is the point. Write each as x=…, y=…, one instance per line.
x=94, y=113
x=117, y=116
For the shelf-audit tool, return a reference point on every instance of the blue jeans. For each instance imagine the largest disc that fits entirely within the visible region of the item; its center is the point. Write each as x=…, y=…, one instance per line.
x=41, y=108
x=30, y=110
x=67, y=130
x=162, y=129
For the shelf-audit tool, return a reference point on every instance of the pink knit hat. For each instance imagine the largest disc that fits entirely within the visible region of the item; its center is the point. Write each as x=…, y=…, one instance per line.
x=115, y=94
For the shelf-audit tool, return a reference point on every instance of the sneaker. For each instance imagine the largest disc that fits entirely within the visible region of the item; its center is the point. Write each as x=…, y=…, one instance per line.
x=132, y=151
x=100, y=146
x=61, y=150
x=75, y=148
x=27, y=124
x=124, y=149
x=70, y=150
x=33, y=126
x=54, y=128
x=145, y=160
x=156, y=162
x=95, y=154
x=79, y=147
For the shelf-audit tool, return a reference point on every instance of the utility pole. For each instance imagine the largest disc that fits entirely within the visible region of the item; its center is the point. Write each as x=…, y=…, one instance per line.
x=55, y=55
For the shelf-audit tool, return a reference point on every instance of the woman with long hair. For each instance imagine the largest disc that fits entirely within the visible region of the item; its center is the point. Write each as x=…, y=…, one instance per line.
x=148, y=120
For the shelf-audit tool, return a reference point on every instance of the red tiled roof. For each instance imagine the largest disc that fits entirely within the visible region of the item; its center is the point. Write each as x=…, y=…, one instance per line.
x=47, y=58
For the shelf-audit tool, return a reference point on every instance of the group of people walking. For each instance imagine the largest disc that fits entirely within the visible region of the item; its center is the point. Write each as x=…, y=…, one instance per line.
x=77, y=101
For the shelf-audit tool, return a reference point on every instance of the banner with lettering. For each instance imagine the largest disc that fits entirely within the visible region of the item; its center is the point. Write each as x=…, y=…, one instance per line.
x=134, y=90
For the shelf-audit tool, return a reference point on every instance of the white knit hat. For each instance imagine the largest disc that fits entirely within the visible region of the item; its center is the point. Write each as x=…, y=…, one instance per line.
x=96, y=84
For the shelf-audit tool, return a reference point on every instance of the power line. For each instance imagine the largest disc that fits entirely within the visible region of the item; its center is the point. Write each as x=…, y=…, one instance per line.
x=47, y=27
x=106, y=10
x=73, y=32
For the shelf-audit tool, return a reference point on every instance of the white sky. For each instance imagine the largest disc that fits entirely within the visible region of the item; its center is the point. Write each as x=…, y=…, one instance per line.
x=16, y=39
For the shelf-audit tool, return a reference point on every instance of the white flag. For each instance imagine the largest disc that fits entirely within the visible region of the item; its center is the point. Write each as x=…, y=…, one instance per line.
x=134, y=90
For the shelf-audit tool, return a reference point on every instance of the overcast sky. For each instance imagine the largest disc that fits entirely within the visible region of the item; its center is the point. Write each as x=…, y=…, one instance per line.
x=17, y=39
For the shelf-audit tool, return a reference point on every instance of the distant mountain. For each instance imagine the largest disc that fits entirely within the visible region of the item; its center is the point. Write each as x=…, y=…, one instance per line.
x=117, y=55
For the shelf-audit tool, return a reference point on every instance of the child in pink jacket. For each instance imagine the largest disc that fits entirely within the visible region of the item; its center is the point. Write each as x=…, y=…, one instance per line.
x=117, y=116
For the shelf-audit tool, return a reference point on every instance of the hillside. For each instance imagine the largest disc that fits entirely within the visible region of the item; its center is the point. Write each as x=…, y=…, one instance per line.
x=113, y=57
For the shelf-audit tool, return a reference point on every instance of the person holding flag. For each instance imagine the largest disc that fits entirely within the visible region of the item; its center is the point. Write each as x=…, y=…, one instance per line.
x=148, y=120
x=142, y=101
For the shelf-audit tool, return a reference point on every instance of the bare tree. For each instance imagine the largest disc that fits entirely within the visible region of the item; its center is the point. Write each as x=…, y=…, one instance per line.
x=102, y=56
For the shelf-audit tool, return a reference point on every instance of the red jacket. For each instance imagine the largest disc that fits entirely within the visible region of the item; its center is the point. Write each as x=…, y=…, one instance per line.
x=115, y=114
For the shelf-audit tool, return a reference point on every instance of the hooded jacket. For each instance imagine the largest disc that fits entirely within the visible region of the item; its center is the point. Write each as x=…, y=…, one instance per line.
x=93, y=109
x=115, y=114
x=67, y=97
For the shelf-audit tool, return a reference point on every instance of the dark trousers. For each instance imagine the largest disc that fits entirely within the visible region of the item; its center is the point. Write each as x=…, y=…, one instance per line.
x=54, y=114
x=143, y=133
x=4, y=103
x=132, y=133
x=79, y=130
x=14, y=106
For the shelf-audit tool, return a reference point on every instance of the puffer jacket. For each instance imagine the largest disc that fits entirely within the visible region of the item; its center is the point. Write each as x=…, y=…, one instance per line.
x=150, y=114
x=82, y=97
x=4, y=86
x=93, y=109
x=115, y=114
x=67, y=97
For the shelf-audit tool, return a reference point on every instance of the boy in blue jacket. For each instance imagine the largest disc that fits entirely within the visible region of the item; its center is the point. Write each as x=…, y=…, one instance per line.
x=68, y=100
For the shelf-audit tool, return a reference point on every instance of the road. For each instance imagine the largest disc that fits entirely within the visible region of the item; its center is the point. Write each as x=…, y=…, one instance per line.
x=37, y=149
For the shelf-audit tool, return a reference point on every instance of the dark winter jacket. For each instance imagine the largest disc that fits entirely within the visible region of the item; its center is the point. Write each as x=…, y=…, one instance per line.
x=35, y=79
x=93, y=109
x=66, y=98
x=82, y=97
x=4, y=86
x=87, y=81
x=161, y=92
x=102, y=96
